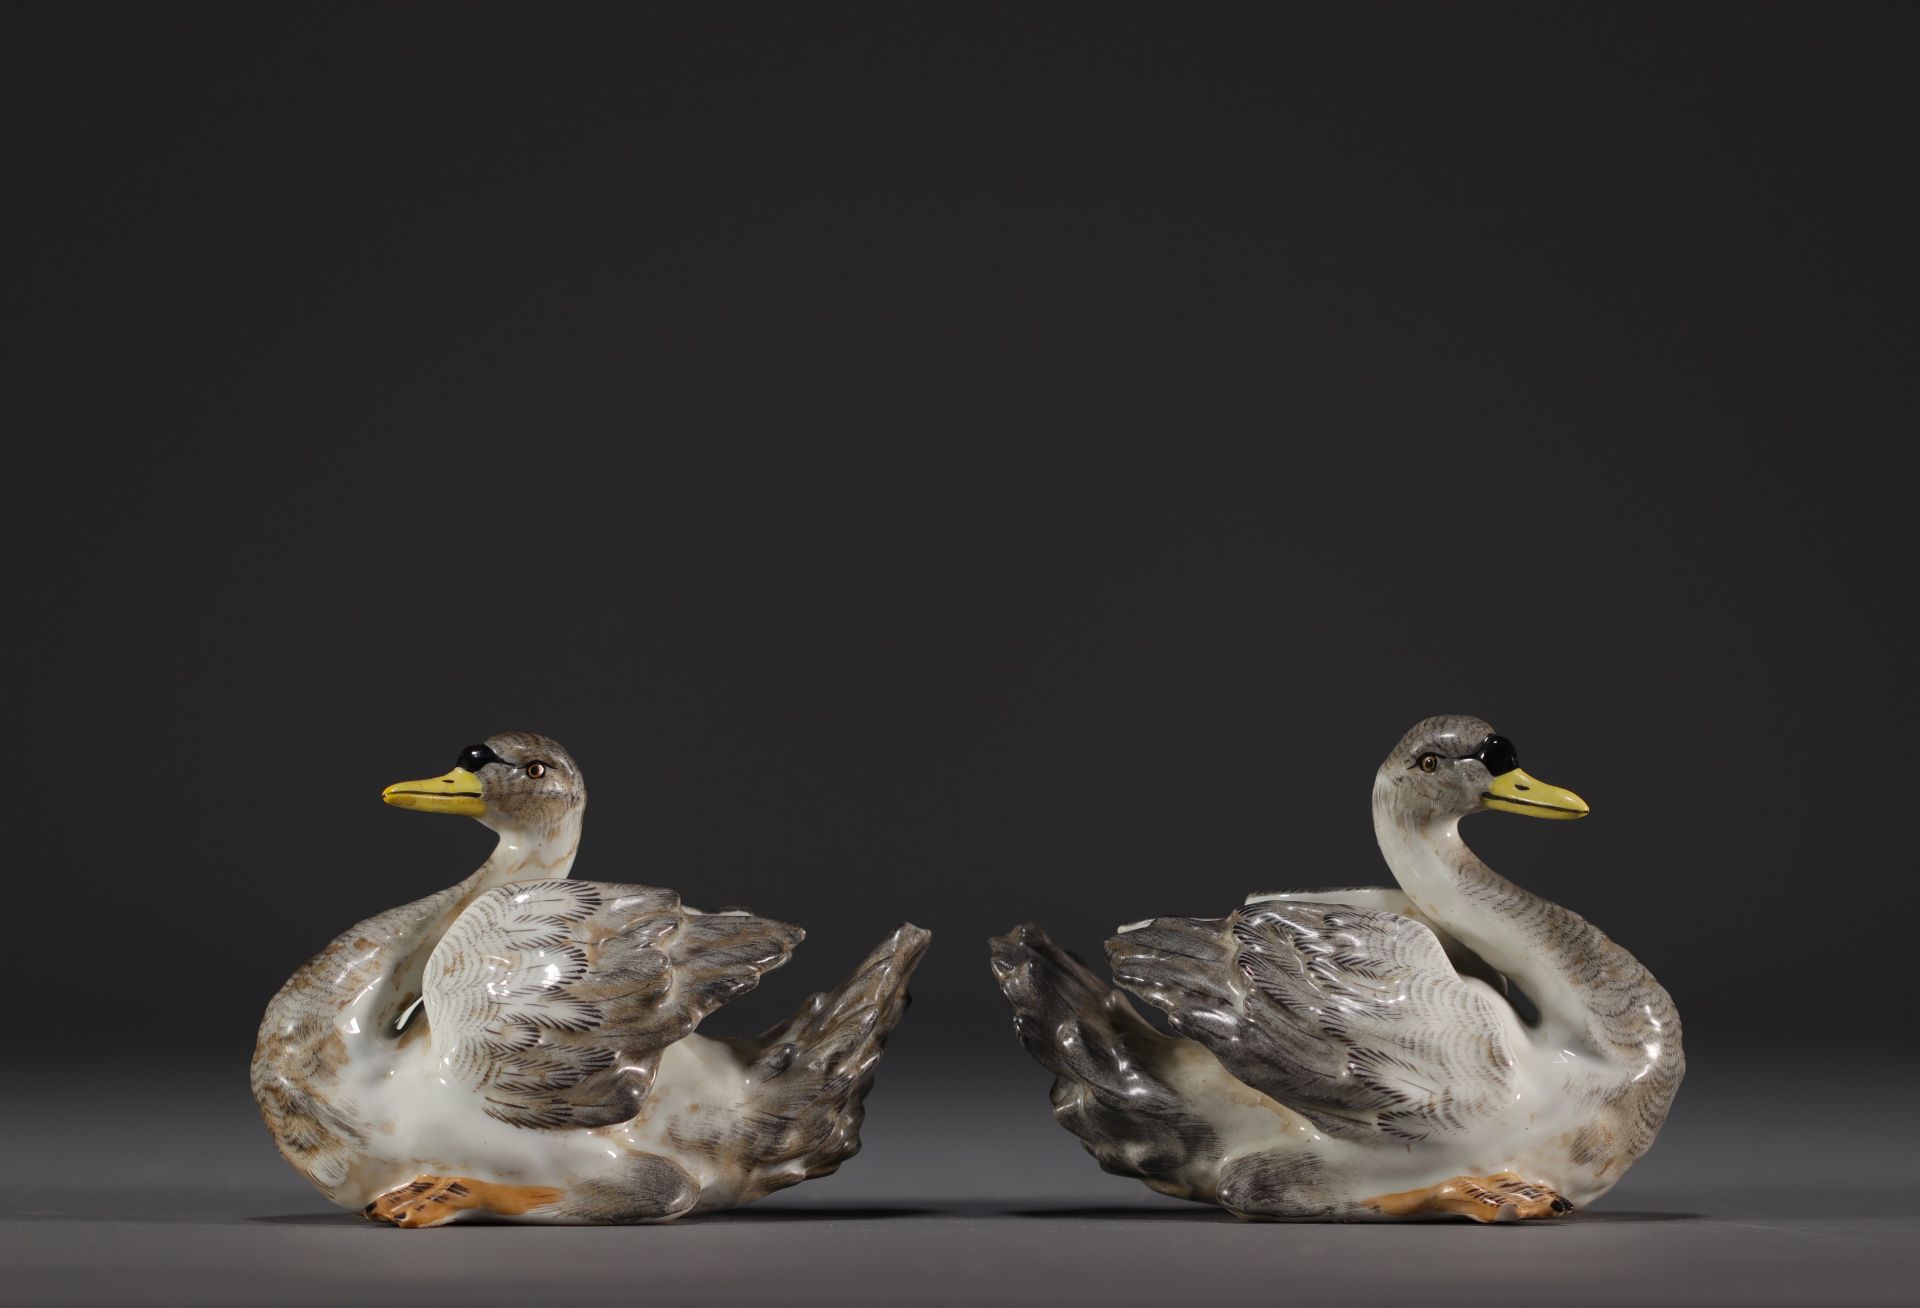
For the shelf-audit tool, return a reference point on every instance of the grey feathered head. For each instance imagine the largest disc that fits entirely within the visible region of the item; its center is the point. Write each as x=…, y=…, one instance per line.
x=1452, y=765
x=513, y=781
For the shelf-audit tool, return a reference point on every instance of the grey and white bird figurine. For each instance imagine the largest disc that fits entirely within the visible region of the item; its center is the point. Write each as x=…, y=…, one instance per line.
x=1352, y=1054
x=522, y=1045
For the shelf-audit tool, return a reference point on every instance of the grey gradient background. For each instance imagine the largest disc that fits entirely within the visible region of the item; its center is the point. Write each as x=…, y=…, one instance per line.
x=965, y=466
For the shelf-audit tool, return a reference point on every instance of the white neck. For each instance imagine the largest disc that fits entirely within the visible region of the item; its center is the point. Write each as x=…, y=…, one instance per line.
x=1484, y=911
x=544, y=854
x=1593, y=996
x=1425, y=860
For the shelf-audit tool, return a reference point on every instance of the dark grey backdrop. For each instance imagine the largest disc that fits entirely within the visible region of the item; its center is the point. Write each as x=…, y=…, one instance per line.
x=955, y=465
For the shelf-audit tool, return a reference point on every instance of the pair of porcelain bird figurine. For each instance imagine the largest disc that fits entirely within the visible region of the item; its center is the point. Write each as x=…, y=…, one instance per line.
x=523, y=1045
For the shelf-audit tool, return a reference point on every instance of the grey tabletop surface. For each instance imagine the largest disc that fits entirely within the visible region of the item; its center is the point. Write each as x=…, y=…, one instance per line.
x=1762, y=1191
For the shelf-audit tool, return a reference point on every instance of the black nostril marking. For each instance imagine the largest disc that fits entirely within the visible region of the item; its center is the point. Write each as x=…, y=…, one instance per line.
x=1521, y=785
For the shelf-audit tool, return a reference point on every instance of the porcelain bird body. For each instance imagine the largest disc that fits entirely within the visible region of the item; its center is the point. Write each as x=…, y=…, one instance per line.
x=1352, y=1053
x=523, y=1044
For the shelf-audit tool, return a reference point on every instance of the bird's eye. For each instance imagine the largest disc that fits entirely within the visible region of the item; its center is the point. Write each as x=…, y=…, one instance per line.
x=1428, y=762
x=536, y=769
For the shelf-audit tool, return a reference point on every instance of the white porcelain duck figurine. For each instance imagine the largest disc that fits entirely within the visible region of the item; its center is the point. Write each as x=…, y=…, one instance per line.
x=522, y=1045
x=1351, y=1054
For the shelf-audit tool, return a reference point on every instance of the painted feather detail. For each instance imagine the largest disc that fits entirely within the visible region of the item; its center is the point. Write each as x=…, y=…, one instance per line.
x=1351, y=1016
x=1112, y=1070
x=553, y=999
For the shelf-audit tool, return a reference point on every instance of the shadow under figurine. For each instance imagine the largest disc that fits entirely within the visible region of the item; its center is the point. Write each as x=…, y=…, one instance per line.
x=522, y=1045
x=1352, y=1054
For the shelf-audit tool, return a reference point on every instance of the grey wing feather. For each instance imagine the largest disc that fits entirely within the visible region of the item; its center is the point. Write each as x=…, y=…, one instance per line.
x=553, y=999
x=1349, y=1015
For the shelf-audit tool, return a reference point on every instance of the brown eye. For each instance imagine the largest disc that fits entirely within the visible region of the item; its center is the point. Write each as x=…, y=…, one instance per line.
x=540, y=769
x=1428, y=762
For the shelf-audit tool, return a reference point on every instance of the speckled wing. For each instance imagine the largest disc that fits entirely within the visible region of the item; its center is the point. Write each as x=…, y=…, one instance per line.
x=1351, y=1016
x=553, y=999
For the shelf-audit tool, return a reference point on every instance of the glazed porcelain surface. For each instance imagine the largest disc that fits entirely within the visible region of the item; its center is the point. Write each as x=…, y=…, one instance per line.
x=522, y=1045
x=1352, y=1054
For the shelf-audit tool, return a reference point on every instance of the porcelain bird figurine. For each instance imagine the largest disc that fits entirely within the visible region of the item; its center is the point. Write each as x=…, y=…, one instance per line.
x=1351, y=1054
x=522, y=1045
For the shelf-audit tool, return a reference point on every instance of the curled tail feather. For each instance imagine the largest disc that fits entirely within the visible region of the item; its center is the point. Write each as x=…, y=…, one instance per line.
x=809, y=1076
x=1109, y=1065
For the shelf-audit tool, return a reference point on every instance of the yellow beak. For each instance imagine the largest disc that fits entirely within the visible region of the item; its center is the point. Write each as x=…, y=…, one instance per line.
x=458, y=791
x=1516, y=792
